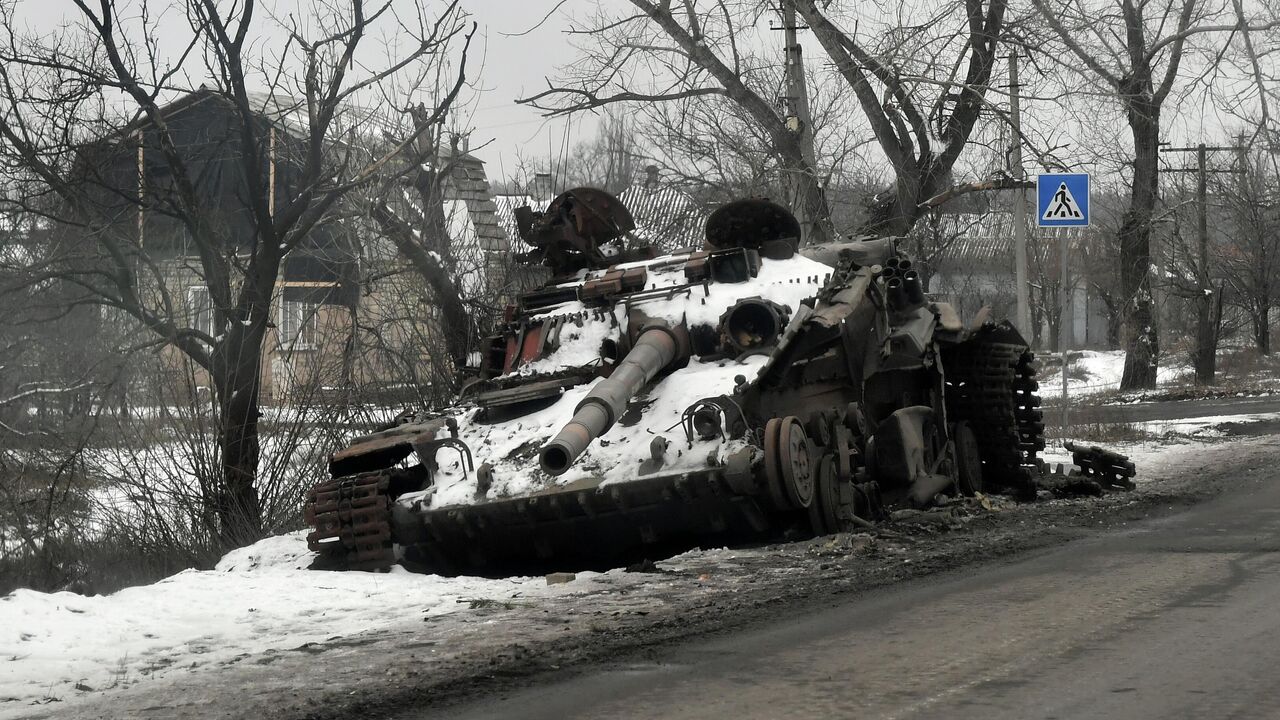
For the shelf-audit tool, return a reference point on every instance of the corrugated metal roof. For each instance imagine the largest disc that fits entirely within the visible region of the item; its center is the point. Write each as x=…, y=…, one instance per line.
x=983, y=237
x=666, y=217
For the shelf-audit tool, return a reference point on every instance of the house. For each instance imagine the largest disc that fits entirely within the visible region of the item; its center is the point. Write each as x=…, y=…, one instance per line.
x=968, y=260
x=349, y=315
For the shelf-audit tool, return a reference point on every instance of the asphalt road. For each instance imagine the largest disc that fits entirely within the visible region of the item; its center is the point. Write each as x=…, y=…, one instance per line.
x=1165, y=410
x=1176, y=618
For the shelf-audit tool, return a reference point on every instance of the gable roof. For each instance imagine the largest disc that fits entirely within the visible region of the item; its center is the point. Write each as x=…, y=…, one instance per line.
x=468, y=183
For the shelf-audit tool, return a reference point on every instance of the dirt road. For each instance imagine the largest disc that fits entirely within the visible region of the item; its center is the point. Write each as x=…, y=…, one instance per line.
x=1176, y=618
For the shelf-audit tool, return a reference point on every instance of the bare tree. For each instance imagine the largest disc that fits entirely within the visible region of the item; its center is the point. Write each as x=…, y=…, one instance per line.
x=1136, y=50
x=922, y=88
x=1100, y=258
x=408, y=206
x=658, y=55
x=79, y=105
x=919, y=84
x=713, y=147
x=1249, y=255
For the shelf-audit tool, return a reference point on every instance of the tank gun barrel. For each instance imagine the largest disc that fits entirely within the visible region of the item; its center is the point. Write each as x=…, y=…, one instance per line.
x=655, y=350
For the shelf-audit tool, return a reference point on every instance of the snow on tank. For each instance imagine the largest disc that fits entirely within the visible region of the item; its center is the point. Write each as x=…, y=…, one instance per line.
x=587, y=335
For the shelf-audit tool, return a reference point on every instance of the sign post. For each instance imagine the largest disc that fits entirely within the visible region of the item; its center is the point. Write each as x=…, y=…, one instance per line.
x=1062, y=201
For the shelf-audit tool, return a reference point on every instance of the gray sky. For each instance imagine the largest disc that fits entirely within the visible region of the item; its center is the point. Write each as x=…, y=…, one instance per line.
x=511, y=55
x=514, y=67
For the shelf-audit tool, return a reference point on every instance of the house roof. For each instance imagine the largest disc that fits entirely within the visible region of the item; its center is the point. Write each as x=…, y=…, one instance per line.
x=467, y=182
x=974, y=238
x=666, y=217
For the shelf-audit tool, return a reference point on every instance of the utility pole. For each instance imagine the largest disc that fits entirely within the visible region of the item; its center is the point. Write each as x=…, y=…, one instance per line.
x=1023, y=317
x=1206, y=319
x=796, y=106
x=1206, y=330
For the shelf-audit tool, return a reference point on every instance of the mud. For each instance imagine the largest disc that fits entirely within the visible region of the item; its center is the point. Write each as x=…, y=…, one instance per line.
x=426, y=663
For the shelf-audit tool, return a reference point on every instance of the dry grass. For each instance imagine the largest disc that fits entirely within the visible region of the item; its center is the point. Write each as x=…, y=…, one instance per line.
x=1099, y=433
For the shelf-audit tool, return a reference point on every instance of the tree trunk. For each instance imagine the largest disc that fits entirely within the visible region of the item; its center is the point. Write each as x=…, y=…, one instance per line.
x=897, y=212
x=1206, y=354
x=1114, y=318
x=456, y=324
x=237, y=374
x=1114, y=327
x=1141, y=341
x=1262, y=329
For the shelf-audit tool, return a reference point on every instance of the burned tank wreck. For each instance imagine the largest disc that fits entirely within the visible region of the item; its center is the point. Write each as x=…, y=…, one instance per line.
x=640, y=404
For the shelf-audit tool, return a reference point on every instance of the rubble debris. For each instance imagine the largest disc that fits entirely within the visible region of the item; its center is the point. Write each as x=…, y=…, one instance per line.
x=1109, y=469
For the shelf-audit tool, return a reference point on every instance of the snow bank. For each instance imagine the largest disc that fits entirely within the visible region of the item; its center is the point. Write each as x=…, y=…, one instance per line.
x=258, y=599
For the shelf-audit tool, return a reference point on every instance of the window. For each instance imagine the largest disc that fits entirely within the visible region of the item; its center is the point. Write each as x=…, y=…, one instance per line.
x=200, y=307
x=298, y=324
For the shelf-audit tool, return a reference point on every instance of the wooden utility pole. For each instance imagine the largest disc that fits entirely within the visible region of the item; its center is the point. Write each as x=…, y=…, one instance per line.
x=1023, y=317
x=796, y=107
x=1206, y=319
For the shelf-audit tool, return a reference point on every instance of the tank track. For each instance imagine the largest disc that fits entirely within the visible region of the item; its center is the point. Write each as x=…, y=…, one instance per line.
x=352, y=520
x=993, y=386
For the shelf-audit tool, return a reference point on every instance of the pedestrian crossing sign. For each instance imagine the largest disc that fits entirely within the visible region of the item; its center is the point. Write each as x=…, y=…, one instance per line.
x=1062, y=200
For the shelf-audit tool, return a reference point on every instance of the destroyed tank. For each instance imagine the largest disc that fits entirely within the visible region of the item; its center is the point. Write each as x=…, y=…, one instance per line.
x=639, y=404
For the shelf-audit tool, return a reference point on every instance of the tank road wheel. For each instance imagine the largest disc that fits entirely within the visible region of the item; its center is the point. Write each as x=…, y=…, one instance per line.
x=968, y=460
x=772, y=467
x=827, y=507
x=797, y=469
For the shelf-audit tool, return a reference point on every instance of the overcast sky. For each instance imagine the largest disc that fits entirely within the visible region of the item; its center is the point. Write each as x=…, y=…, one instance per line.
x=515, y=66
x=517, y=53
x=515, y=50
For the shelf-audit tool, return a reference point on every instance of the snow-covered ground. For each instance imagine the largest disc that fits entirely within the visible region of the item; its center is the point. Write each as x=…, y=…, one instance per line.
x=1163, y=436
x=1101, y=371
x=260, y=600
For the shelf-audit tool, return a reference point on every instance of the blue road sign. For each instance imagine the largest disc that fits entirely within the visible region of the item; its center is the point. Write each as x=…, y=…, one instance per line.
x=1062, y=200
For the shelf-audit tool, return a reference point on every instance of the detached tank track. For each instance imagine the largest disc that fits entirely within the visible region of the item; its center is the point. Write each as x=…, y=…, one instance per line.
x=352, y=520
x=992, y=385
